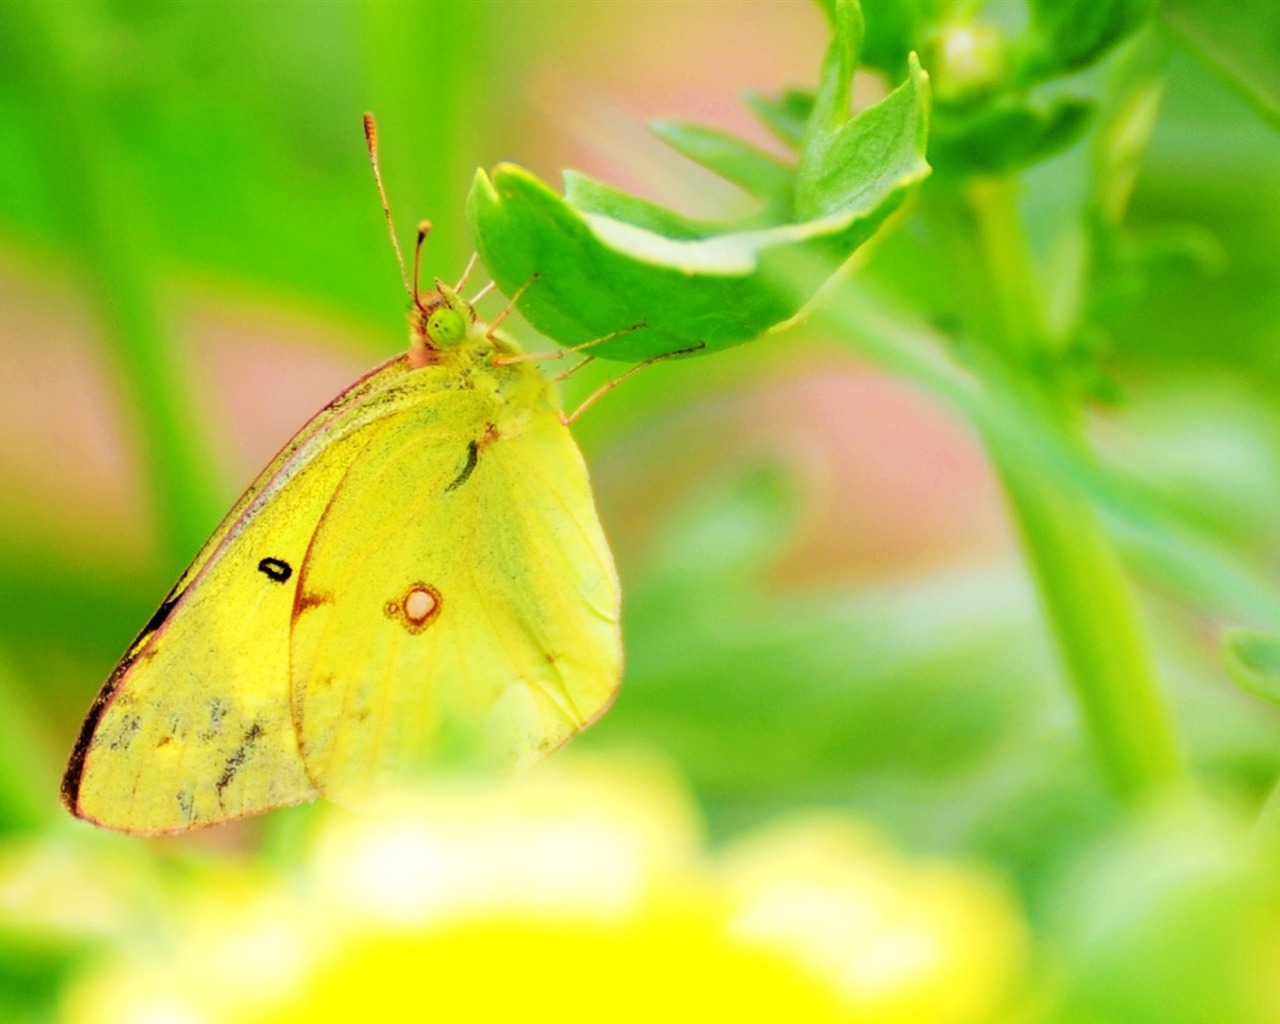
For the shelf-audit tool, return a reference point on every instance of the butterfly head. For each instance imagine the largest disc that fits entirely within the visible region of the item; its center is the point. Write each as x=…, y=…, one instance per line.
x=439, y=319
x=446, y=326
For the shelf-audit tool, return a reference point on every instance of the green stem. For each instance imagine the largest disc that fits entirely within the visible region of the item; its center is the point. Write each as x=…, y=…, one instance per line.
x=1090, y=607
x=1008, y=268
x=1083, y=588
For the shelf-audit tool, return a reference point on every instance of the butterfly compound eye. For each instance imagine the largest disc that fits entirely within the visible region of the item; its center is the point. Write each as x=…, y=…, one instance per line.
x=445, y=326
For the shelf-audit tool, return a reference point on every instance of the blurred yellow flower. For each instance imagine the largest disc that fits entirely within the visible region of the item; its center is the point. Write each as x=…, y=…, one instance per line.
x=581, y=891
x=896, y=941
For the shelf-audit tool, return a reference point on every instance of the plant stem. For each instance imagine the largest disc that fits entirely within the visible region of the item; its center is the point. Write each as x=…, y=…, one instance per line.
x=1083, y=588
x=1091, y=609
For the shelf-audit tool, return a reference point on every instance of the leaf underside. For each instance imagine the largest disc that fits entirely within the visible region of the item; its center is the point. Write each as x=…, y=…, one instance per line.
x=606, y=261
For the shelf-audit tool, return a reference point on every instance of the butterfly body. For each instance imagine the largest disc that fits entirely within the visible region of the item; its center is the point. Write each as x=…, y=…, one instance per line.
x=420, y=567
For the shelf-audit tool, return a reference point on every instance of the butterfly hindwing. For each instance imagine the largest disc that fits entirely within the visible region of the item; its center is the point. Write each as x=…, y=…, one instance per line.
x=458, y=583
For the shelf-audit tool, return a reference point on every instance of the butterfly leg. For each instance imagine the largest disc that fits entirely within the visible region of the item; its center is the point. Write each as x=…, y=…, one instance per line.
x=466, y=274
x=510, y=306
x=560, y=353
x=483, y=292
x=573, y=369
x=609, y=385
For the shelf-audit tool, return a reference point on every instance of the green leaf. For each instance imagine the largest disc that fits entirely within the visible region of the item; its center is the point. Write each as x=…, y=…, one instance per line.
x=786, y=115
x=867, y=155
x=590, y=196
x=606, y=261
x=1007, y=135
x=831, y=104
x=598, y=275
x=1067, y=35
x=754, y=170
x=896, y=27
x=1253, y=659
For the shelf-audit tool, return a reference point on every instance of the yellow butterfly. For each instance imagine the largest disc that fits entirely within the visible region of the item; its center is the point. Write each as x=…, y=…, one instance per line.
x=422, y=560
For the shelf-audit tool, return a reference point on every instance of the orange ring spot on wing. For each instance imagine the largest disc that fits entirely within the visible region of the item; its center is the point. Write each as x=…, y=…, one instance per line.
x=417, y=608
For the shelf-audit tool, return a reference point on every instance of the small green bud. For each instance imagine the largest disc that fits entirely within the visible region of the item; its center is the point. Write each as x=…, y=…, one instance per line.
x=967, y=63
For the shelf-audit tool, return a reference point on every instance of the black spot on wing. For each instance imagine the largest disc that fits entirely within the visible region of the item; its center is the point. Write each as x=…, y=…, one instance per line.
x=473, y=456
x=275, y=569
x=238, y=757
x=129, y=727
x=217, y=712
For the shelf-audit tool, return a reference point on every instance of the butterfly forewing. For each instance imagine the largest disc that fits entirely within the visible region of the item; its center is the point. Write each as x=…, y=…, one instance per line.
x=195, y=726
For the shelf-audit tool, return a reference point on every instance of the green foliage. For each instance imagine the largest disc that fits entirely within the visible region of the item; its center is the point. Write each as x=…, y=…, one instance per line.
x=894, y=28
x=1163, y=922
x=996, y=110
x=1008, y=134
x=1084, y=273
x=1253, y=659
x=762, y=691
x=1240, y=41
x=1067, y=35
x=750, y=668
x=606, y=261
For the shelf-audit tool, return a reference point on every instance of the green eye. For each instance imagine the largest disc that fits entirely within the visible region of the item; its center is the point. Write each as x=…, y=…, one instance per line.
x=446, y=325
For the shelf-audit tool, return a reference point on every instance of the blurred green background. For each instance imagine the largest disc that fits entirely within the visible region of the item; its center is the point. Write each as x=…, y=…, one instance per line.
x=827, y=607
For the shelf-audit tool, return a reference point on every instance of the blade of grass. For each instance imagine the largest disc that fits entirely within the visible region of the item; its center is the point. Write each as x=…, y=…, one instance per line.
x=29, y=769
x=426, y=100
x=1237, y=42
x=89, y=185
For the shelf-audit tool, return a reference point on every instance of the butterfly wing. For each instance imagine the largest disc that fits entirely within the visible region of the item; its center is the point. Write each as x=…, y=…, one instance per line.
x=458, y=587
x=194, y=725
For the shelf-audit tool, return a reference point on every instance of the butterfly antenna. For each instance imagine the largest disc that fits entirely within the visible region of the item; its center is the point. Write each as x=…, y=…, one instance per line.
x=371, y=142
x=424, y=229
